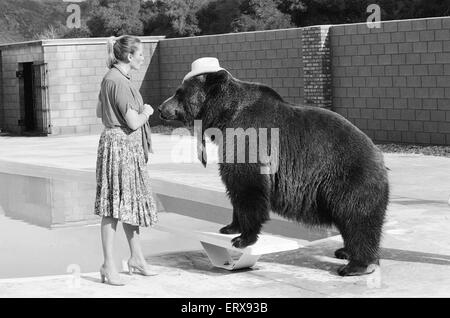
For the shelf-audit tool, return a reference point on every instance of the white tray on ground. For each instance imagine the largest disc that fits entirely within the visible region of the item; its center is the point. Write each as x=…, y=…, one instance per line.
x=218, y=246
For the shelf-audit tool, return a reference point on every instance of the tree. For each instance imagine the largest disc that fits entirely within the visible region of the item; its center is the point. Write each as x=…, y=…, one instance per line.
x=218, y=16
x=261, y=15
x=115, y=17
x=407, y=9
x=51, y=32
x=82, y=32
x=314, y=12
x=173, y=18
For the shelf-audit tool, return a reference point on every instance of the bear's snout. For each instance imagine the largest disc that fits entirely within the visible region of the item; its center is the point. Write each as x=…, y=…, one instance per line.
x=169, y=110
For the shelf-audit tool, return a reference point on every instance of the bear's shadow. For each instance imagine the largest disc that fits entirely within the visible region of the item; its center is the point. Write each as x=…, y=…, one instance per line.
x=314, y=257
x=198, y=262
x=303, y=256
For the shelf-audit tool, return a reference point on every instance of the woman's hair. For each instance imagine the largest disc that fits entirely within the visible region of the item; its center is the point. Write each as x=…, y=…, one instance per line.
x=119, y=48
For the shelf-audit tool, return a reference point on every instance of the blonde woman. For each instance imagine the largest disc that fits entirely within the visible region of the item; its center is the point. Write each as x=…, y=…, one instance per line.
x=123, y=187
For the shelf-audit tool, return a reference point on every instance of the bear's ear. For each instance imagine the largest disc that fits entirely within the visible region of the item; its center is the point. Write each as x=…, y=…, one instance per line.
x=216, y=78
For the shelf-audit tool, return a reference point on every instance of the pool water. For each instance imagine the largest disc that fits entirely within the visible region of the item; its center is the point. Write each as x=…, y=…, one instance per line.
x=47, y=225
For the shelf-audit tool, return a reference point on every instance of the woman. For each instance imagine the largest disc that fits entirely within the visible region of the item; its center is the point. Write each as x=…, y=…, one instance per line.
x=123, y=187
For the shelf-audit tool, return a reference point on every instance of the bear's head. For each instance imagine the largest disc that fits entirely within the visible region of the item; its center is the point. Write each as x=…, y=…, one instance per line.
x=202, y=97
x=195, y=98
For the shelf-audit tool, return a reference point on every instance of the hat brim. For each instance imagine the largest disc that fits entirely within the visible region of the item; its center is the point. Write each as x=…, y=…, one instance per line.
x=203, y=71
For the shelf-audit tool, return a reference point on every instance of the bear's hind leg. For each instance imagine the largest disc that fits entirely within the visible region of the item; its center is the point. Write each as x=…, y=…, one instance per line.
x=361, y=236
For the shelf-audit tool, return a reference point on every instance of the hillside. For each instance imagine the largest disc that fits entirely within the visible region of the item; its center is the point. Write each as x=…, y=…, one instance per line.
x=20, y=20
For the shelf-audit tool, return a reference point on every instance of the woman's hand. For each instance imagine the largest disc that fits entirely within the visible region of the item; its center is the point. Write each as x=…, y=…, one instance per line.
x=148, y=110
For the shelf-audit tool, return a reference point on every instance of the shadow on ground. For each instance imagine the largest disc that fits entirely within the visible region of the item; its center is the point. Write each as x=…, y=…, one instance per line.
x=319, y=257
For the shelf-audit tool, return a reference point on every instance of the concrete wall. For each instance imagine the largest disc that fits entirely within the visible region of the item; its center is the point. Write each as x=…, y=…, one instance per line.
x=394, y=82
x=12, y=111
x=270, y=57
x=391, y=82
x=76, y=70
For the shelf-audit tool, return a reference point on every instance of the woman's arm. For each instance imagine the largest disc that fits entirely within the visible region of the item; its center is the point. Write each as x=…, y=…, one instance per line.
x=124, y=100
x=135, y=120
x=99, y=109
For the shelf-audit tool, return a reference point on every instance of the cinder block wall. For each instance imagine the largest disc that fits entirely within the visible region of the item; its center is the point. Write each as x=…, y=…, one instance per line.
x=12, y=111
x=394, y=82
x=76, y=69
x=270, y=57
x=74, y=74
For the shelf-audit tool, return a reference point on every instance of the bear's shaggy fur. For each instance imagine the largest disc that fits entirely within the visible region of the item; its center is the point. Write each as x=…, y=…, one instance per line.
x=329, y=172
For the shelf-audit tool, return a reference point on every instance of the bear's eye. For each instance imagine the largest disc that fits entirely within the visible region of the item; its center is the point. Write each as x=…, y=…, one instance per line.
x=179, y=94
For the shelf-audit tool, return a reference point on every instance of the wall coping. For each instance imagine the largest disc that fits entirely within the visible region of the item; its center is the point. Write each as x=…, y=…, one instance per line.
x=235, y=33
x=307, y=27
x=392, y=21
x=75, y=41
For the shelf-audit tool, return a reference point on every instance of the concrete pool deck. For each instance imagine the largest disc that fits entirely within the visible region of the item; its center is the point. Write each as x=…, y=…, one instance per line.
x=415, y=248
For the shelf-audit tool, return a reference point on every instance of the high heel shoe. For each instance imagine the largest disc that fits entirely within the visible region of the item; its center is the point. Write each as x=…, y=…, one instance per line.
x=106, y=279
x=132, y=267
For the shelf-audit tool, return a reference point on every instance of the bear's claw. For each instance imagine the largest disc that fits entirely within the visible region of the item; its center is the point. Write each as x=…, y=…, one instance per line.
x=242, y=242
x=356, y=269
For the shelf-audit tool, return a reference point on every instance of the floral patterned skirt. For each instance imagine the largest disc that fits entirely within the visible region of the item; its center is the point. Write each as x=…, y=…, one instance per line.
x=123, y=183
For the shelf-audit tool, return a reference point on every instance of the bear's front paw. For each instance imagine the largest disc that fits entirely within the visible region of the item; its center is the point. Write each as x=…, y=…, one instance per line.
x=242, y=242
x=356, y=269
x=342, y=253
x=230, y=229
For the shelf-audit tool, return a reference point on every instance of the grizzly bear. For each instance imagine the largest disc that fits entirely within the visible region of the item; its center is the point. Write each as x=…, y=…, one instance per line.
x=328, y=173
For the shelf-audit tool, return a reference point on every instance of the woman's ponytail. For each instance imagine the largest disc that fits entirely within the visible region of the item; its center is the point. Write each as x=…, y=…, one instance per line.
x=119, y=48
x=111, y=59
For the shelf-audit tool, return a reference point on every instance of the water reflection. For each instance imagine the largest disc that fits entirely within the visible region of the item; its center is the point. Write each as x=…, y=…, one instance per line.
x=47, y=202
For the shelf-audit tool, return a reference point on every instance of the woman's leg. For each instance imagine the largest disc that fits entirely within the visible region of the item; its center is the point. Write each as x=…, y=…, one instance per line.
x=108, y=231
x=137, y=259
x=133, y=237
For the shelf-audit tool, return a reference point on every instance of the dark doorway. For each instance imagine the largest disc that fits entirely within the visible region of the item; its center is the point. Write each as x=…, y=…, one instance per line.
x=33, y=98
x=29, y=118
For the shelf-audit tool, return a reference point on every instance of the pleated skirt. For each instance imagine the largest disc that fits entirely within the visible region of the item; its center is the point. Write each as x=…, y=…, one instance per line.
x=123, y=183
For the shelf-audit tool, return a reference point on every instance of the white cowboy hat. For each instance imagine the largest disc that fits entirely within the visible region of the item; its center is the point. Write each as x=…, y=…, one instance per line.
x=203, y=65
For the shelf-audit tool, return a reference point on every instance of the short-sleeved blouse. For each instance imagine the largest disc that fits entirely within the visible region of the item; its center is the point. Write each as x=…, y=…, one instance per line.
x=117, y=95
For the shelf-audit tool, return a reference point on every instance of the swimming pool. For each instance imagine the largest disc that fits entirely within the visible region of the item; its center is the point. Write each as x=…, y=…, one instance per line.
x=47, y=221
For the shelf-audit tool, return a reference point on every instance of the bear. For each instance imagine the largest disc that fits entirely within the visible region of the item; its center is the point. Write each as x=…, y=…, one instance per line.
x=329, y=172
